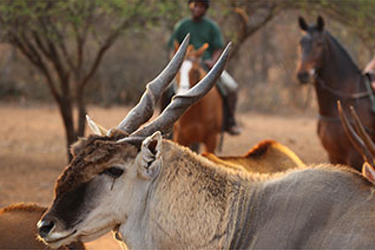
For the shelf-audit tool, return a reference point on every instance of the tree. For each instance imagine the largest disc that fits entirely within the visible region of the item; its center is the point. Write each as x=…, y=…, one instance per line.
x=357, y=15
x=54, y=36
x=242, y=19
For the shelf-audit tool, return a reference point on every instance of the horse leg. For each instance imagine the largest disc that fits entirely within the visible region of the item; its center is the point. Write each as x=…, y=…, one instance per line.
x=195, y=147
x=210, y=143
x=355, y=160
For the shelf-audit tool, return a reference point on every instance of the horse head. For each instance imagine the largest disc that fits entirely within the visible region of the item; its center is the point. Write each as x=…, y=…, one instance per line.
x=191, y=71
x=311, y=49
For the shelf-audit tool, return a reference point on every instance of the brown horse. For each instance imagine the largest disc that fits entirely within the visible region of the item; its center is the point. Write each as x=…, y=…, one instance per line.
x=336, y=77
x=201, y=123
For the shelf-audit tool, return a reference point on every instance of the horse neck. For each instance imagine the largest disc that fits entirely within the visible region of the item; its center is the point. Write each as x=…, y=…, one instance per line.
x=337, y=72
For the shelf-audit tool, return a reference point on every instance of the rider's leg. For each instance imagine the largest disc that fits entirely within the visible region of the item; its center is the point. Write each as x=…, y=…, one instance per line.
x=228, y=89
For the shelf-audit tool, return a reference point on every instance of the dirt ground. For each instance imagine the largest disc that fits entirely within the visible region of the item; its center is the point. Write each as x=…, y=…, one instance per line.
x=32, y=148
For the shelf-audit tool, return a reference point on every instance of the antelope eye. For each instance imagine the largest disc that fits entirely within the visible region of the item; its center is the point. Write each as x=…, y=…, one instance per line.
x=113, y=172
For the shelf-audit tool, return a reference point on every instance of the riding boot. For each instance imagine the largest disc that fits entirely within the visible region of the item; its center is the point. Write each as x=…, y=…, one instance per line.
x=229, y=107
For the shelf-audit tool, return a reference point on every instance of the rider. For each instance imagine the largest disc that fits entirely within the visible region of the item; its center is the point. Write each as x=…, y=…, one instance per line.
x=203, y=30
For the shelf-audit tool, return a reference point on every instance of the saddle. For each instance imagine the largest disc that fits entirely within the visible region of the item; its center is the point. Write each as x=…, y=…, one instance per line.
x=370, y=87
x=371, y=76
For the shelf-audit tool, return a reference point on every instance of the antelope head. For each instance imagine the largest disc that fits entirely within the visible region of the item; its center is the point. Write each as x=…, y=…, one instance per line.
x=109, y=180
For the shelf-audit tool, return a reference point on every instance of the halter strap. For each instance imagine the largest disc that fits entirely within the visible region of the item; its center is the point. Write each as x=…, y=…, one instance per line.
x=368, y=93
x=338, y=93
x=325, y=118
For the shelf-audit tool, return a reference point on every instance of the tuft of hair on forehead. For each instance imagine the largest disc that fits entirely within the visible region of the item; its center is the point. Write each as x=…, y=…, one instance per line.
x=92, y=154
x=115, y=135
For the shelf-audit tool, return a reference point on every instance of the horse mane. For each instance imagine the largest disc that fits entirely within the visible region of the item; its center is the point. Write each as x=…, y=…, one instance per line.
x=22, y=207
x=341, y=48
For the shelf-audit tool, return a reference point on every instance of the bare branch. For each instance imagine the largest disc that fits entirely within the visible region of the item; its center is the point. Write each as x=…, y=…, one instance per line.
x=36, y=59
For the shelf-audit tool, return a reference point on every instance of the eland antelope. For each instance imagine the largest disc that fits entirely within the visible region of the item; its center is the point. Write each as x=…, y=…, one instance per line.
x=155, y=194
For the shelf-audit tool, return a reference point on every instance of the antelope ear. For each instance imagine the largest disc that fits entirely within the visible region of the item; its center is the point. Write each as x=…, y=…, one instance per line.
x=368, y=171
x=96, y=128
x=302, y=23
x=150, y=156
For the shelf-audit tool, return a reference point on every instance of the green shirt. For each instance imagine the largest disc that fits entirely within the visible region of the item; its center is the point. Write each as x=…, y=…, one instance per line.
x=205, y=31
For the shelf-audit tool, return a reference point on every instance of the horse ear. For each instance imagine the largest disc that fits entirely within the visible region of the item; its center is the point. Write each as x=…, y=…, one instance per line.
x=320, y=23
x=302, y=23
x=190, y=49
x=368, y=171
x=201, y=50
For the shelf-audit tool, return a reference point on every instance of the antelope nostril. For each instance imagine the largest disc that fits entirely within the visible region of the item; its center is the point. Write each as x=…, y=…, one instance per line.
x=45, y=227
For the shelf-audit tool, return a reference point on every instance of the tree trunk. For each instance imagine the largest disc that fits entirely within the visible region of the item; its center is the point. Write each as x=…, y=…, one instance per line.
x=266, y=48
x=66, y=111
x=81, y=113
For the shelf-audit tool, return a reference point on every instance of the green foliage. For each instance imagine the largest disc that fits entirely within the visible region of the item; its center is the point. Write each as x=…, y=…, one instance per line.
x=357, y=15
x=68, y=17
x=66, y=41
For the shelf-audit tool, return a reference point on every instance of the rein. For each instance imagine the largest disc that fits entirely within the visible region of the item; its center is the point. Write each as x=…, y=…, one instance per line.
x=328, y=118
x=364, y=94
x=336, y=92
